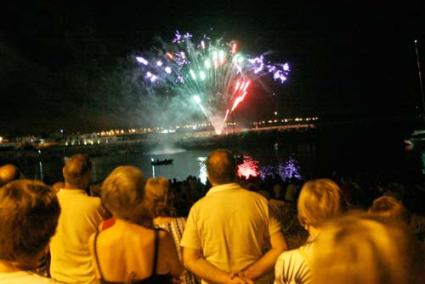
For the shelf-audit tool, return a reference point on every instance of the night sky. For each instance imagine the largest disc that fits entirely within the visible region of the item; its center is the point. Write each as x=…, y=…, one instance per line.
x=62, y=62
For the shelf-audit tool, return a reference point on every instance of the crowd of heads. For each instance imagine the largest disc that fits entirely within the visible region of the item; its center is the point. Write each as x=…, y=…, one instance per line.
x=356, y=247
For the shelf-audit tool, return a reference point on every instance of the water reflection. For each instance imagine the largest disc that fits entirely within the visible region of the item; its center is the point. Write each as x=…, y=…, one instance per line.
x=290, y=170
x=287, y=170
x=248, y=168
x=187, y=163
x=202, y=169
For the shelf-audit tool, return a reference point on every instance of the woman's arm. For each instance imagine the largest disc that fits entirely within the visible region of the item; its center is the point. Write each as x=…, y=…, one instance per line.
x=169, y=254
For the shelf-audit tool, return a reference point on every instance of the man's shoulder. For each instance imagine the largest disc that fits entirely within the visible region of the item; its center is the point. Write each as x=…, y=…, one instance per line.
x=198, y=204
x=254, y=196
x=299, y=254
x=244, y=195
x=80, y=198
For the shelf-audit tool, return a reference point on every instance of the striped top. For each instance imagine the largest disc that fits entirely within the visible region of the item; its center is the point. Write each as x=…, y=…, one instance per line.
x=176, y=227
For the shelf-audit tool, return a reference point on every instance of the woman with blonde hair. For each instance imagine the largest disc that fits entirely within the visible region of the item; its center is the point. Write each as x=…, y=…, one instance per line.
x=131, y=250
x=319, y=200
x=361, y=248
x=157, y=195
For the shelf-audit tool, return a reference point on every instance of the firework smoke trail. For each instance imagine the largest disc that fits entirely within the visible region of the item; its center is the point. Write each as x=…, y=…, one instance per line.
x=210, y=73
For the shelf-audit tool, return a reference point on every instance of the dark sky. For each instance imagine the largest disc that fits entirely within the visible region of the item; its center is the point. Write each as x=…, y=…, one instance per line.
x=61, y=62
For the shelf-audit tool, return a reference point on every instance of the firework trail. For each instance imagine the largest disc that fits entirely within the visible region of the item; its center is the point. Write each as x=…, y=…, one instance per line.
x=211, y=74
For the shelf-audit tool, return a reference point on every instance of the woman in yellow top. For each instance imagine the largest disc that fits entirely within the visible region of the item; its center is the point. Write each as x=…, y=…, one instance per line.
x=131, y=250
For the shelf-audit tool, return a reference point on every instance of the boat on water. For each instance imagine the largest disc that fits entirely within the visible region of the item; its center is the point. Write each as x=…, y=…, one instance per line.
x=159, y=162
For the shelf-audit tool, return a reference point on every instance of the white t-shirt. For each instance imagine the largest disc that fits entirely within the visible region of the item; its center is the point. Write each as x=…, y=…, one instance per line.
x=292, y=267
x=80, y=217
x=22, y=277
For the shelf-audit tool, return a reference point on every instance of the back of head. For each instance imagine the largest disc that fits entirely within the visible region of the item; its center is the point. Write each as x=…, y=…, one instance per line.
x=390, y=207
x=123, y=193
x=221, y=167
x=77, y=171
x=360, y=248
x=319, y=200
x=156, y=195
x=8, y=173
x=29, y=212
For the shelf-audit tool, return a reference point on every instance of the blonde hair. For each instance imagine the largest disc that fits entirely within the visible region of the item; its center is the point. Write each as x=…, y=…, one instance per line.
x=123, y=193
x=389, y=207
x=319, y=199
x=360, y=248
x=156, y=190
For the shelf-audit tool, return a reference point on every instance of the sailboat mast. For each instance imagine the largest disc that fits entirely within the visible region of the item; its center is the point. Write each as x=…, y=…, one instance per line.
x=421, y=85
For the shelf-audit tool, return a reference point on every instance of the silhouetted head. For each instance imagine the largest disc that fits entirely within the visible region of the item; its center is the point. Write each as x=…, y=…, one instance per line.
x=8, y=173
x=221, y=167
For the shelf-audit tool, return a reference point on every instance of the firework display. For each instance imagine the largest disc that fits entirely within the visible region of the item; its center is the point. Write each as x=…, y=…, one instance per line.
x=214, y=75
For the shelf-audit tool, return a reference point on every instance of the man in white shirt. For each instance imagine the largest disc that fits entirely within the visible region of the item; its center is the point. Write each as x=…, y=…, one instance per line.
x=81, y=215
x=230, y=236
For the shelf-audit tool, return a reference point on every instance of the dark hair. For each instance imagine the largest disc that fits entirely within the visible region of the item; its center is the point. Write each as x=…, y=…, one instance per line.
x=76, y=170
x=221, y=166
x=388, y=206
x=29, y=212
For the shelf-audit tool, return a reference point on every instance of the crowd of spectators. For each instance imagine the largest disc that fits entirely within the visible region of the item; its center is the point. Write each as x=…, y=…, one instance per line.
x=135, y=229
